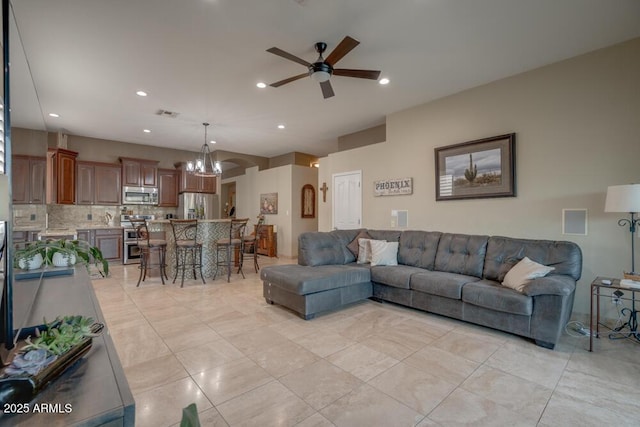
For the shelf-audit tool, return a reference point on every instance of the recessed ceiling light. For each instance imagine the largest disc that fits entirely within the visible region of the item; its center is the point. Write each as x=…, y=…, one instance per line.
x=54, y=115
x=261, y=85
x=384, y=81
x=141, y=93
x=212, y=142
x=146, y=130
x=280, y=126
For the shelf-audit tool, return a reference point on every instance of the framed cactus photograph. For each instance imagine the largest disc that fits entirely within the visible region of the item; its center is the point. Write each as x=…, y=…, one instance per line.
x=477, y=169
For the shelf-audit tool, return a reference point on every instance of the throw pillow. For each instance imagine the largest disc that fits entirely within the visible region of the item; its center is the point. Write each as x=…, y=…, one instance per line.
x=523, y=273
x=364, y=250
x=354, y=246
x=384, y=253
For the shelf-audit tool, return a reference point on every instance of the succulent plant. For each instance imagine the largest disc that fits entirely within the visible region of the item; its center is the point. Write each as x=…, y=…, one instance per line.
x=471, y=173
x=61, y=335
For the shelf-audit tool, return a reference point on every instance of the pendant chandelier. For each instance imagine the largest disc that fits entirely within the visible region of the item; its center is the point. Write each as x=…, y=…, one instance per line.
x=204, y=165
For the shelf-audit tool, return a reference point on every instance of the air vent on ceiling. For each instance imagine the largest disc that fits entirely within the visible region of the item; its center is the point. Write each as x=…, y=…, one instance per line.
x=167, y=113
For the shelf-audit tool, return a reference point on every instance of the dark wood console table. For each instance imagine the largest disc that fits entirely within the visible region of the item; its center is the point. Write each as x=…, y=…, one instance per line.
x=95, y=388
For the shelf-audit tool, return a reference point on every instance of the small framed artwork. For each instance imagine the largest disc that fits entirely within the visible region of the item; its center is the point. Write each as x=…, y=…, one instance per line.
x=476, y=169
x=574, y=221
x=308, y=201
x=269, y=203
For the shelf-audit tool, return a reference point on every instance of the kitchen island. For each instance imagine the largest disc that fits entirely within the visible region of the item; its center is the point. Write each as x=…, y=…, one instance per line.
x=209, y=230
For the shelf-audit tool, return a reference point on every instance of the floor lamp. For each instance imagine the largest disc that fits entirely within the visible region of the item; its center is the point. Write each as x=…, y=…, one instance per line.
x=625, y=198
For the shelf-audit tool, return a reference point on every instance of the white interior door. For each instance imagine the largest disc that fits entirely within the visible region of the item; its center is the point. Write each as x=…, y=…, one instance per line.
x=347, y=200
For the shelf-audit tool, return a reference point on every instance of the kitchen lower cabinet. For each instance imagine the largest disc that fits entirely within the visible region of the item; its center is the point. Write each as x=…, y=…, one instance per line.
x=109, y=241
x=86, y=235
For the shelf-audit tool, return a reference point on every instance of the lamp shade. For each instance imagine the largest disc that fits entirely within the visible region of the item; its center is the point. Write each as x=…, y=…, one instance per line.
x=623, y=198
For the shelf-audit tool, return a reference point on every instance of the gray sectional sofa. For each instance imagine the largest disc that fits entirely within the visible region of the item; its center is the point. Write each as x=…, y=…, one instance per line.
x=455, y=275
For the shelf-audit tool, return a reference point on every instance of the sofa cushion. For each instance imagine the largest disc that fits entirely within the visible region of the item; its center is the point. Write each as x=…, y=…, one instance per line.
x=383, y=253
x=504, y=252
x=418, y=248
x=325, y=248
x=364, y=253
x=388, y=235
x=523, y=273
x=461, y=253
x=303, y=280
x=354, y=245
x=492, y=295
x=448, y=285
x=397, y=276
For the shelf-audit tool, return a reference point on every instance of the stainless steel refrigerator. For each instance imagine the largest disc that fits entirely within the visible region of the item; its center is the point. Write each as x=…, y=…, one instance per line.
x=198, y=205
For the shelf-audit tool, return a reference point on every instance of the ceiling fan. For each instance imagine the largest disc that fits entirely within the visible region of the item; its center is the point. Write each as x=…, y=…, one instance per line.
x=322, y=70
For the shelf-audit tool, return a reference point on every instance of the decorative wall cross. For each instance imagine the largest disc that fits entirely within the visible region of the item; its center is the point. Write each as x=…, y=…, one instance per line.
x=324, y=189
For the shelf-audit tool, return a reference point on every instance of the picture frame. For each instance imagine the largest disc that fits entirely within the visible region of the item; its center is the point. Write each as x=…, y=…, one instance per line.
x=269, y=203
x=491, y=173
x=308, y=208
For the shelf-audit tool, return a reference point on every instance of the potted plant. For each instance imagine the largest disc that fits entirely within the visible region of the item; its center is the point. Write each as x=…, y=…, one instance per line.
x=59, y=253
x=46, y=356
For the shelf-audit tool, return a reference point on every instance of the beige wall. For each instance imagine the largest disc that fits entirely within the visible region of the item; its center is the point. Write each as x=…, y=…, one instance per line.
x=287, y=181
x=578, y=131
x=362, y=138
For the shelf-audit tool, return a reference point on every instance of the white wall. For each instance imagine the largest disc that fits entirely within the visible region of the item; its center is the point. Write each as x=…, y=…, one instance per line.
x=578, y=131
x=287, y=181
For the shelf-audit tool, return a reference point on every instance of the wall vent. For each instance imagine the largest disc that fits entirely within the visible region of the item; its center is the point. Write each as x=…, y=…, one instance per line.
x=167, y=113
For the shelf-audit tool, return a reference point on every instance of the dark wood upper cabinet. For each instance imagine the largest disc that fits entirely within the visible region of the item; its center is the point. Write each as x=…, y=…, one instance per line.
x=139, y=172
x=98, y=183
x=61, y=176
x=190, y=183
x=168, y=187
x=29, y=179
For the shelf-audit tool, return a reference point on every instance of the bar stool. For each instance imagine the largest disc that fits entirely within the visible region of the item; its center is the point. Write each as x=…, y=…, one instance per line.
x=188, y=250
x=149, y=246
x=234, y=241
x=251, y=243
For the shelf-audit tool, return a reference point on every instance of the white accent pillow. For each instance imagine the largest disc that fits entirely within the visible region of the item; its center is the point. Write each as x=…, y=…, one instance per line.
x=523, y=273
x=384, y=253
x=364, y=250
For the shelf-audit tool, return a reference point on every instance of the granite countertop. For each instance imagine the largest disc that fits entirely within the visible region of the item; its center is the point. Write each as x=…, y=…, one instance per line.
x=58, y=230
x=166, y=221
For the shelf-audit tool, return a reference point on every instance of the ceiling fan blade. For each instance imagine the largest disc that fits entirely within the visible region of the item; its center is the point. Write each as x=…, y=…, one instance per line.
x=327, y=90
x=360, y=74
x=345, y=46
x=289, y=80
x=288, y=56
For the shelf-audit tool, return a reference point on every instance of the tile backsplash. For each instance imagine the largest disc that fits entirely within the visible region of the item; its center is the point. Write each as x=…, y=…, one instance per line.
x=78, y=216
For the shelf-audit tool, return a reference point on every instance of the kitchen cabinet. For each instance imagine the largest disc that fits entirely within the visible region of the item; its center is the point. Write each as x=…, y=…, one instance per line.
x=267, y=240
x=61, y=176
x=191, y=183
x=109, y=241
x=25, y=236
x=98, y=183
x=139, y=172
x=29, y=179
x=86, y=235
x=168, y=187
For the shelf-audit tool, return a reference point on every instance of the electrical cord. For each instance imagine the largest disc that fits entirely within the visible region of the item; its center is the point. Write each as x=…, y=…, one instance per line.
x=577, y=329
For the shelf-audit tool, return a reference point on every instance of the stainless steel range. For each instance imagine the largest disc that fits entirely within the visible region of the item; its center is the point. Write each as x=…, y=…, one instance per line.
x=131, y=250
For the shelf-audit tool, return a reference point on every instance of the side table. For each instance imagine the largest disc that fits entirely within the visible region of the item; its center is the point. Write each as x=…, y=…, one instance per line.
x=627, y=330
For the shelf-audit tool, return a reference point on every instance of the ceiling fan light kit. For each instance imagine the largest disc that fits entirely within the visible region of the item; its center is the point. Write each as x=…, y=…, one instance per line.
x=322, y=70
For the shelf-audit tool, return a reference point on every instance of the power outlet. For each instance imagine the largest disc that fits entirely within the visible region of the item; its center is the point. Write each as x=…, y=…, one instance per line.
x=615, y=297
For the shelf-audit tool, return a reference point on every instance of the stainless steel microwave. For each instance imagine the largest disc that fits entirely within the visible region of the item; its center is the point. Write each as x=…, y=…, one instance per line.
x=139, y=196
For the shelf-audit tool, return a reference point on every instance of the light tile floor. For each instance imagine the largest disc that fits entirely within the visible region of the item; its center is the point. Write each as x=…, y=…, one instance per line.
x=247, y=363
